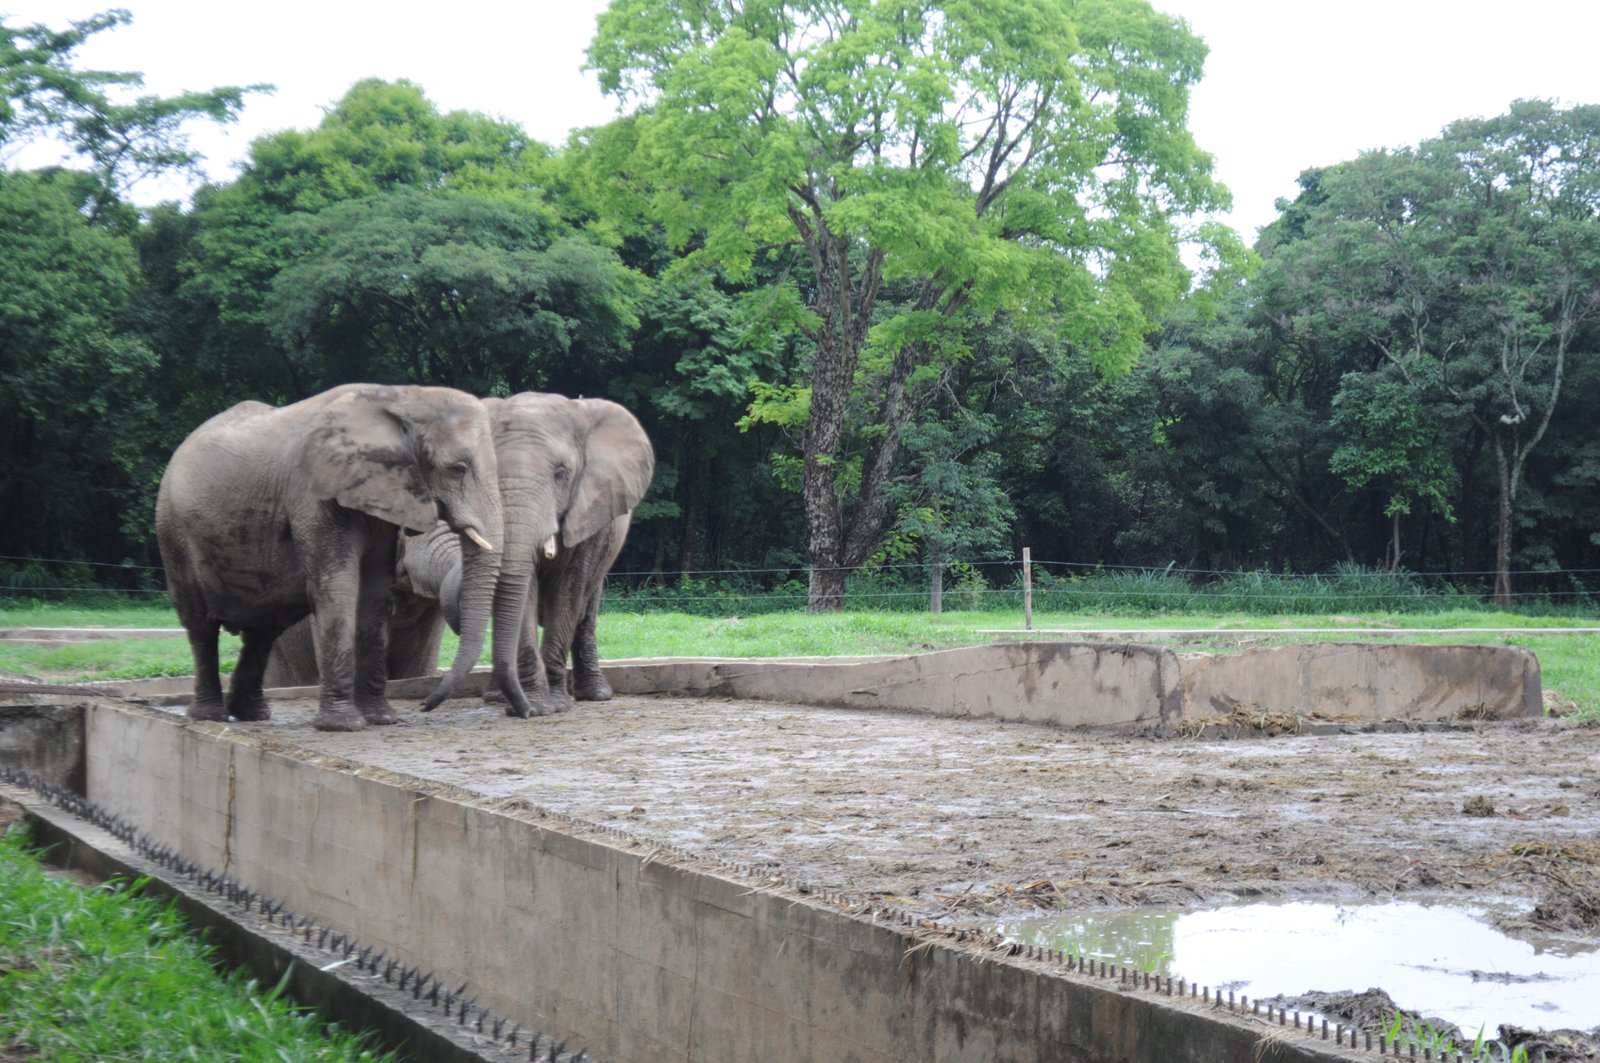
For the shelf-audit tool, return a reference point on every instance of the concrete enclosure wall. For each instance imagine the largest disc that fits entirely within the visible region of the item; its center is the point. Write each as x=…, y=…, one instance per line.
x=1127, y=686
x=1369, y=682
x=644, y=956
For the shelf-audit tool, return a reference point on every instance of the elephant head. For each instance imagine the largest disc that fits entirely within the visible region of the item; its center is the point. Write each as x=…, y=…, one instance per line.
x=413, y=456
x=568, y=468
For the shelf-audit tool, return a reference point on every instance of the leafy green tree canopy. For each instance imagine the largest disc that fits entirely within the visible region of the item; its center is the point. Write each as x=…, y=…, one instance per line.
x=444, y=287
x=1470, y=267
x=968, y=157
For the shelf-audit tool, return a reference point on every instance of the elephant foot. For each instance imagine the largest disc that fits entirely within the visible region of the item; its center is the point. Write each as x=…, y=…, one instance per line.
x=249, y=707
x=539, y=703
x=208, y=709
x=378, y=712
x=550, y=699
x=338, y=717
x=592, y=688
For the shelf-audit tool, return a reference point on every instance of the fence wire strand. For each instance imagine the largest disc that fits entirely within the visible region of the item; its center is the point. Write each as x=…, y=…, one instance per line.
x=979, y=585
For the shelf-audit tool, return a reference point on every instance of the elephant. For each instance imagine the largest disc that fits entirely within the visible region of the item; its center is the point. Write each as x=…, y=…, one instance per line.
x=587, y=460
x=268, y=515
x=599, y=462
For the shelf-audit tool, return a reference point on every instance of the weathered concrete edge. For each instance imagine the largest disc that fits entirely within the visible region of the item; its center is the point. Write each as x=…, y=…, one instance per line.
x=46, y=739
x=1116, y=687
x=356, y=1001
x=664, y=952
x=1127, y=686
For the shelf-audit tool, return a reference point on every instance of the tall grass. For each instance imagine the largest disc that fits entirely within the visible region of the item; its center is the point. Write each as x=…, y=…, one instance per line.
x=108, y=974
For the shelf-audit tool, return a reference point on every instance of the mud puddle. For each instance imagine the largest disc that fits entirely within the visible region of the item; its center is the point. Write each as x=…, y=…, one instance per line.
x=1437, y=958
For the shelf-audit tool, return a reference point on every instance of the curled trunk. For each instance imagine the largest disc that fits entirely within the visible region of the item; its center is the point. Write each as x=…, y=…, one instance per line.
x=480, y=570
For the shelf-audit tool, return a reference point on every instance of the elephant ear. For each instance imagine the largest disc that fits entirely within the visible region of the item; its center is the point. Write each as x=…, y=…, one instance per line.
x=361, y=455
x=618, y=465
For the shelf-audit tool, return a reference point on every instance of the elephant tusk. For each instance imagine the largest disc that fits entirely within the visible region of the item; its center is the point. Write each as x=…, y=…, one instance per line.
x=482, y=543
x=550, y=547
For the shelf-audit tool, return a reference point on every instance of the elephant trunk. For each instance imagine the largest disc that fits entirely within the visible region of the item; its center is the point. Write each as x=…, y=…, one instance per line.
x=480, y=569
x=530, y=519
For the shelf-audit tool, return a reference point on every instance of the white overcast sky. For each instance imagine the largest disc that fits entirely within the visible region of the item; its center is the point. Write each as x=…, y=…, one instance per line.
x=1288, y=84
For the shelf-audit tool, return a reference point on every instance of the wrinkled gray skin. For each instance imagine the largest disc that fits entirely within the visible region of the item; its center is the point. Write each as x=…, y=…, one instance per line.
x=268, y=515
x=590, y=462
x=427, y=570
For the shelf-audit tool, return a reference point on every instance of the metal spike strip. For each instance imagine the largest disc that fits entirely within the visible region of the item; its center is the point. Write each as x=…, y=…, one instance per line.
x=236, y=893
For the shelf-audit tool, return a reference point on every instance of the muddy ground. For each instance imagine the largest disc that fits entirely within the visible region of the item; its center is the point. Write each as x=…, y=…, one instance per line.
x=964, y=820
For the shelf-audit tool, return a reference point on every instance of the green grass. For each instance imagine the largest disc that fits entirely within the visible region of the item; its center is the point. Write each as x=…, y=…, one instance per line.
x=108, y=974
x=1570, y=663
x=41, y=614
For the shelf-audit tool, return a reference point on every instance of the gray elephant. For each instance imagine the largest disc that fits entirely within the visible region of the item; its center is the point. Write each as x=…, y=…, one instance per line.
x=599, y=462
x=588, y=462
x=268, y=515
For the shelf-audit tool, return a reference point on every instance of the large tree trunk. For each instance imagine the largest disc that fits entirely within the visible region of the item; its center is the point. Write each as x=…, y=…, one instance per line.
x=1502, y=544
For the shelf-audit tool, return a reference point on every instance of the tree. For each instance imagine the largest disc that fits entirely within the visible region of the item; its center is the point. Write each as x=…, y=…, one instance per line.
x=952, y=505
x=1390, y=438
x=477, y=293
x=1470, y=265
x=1027, y=154
x=76, y=412
x=394, y=240
x=122, y=142
x=82, y=416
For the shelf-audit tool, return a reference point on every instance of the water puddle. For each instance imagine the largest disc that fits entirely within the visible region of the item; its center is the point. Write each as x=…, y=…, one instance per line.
x=1437, y=959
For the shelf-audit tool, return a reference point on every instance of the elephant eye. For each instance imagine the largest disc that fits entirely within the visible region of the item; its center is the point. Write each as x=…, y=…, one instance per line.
x=459, y=469
x=563, y=474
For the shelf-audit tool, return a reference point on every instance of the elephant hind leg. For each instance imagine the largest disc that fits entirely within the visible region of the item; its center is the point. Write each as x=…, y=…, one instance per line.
x=245, y=698
x=207, y=703
x=588, y=682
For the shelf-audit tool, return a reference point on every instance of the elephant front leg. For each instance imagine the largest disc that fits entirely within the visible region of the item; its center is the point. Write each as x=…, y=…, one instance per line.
x=544, y=695
x=375, y=602
x=588, y=682
x=335, y=595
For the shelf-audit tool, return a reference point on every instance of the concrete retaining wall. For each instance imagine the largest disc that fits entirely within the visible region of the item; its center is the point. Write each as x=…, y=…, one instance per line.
x=1127, y=686
x=1077, y=684
x=1367, y=682
x=643, y=956
x=46, y=740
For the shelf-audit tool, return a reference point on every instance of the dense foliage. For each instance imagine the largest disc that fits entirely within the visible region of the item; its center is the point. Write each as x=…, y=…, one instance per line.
x=889, y=286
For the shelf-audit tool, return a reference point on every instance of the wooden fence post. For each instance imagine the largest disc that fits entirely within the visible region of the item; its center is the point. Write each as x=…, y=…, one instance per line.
x=1027, y=588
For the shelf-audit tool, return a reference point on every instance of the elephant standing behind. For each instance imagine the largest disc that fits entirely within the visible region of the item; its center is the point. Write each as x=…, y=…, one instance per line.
x=588, y=463
x=268, y=515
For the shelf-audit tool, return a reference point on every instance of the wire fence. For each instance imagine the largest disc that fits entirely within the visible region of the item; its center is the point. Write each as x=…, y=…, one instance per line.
x=991, y=585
